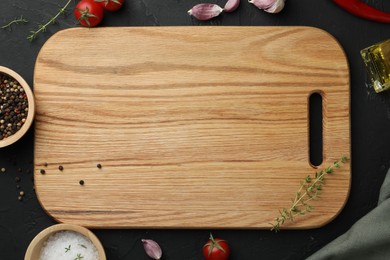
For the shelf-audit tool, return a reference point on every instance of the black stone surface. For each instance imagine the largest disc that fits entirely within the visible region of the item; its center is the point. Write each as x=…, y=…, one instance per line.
x=21, y=220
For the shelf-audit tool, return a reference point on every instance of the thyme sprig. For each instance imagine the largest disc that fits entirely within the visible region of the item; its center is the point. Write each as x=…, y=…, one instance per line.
x=52, y=20
x=309, y=190
x=83, y=246
x=19, y=20
x=79, y=257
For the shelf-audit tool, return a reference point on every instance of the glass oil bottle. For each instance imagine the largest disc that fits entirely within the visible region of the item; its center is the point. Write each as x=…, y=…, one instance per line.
x=377, y=61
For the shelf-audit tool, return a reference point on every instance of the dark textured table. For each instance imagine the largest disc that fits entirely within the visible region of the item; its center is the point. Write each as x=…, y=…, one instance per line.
x=21, y=220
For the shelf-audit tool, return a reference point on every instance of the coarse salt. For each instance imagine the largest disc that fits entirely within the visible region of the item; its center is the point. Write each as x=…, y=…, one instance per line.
x=68, y=245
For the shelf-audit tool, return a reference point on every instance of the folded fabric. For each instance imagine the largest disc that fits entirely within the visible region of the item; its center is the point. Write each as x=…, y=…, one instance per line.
x=368, y=238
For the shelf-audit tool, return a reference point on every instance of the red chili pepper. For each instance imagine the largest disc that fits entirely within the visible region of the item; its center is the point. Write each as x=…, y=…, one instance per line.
x=363, y=10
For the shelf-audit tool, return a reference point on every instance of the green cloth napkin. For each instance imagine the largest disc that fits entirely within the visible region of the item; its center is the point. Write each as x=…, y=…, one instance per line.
x=368, y=238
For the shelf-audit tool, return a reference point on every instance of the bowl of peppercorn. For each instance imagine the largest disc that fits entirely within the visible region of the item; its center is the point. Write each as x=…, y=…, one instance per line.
x=17, y=107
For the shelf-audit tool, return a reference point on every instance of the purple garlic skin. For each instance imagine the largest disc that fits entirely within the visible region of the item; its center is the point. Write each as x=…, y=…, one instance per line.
x=152, y=249
x=205, y=12
x=231, y=5
x=269, y=6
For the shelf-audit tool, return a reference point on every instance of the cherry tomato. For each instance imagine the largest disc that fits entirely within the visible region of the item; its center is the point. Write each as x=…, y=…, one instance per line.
x=111, y=5
x=216, y=249
x=88, y=13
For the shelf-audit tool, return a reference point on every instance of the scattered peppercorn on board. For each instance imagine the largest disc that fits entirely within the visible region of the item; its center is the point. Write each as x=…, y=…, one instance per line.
x=187, y=127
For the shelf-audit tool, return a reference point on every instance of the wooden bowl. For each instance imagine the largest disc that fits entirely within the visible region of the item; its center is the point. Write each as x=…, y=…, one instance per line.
x=31, y=107
x=34, y=249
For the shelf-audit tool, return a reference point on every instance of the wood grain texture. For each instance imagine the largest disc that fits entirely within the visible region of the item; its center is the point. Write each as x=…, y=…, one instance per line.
x=195, y=127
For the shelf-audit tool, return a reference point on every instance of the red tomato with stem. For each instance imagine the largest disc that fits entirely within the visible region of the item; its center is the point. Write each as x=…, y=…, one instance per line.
x=216, y=249
x=111, y=5
x=88, y=13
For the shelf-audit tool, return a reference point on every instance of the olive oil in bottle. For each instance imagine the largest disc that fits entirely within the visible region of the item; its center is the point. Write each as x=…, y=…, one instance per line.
x=377, y=61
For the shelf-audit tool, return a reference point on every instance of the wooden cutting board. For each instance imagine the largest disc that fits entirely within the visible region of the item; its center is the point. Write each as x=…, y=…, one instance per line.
x=195, y=127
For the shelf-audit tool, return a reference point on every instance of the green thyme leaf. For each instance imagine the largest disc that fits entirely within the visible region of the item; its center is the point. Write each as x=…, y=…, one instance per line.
x=301, y=203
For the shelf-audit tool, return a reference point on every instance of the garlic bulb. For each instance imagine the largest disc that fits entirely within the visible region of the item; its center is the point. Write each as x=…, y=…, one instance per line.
x=270, y=6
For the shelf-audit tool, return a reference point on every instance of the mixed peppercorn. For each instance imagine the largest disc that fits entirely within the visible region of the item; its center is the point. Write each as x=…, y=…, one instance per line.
x=13, y=106
x=20, y=172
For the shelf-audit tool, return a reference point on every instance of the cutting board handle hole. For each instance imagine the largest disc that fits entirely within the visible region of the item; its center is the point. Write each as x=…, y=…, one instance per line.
x=315, y=129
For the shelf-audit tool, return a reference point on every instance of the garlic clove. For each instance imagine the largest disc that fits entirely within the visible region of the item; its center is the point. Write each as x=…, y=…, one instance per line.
x=205, y=11
x=152, y=249
x=270, y=6
x=231, y=5
x=277, y=7
x=262, y=4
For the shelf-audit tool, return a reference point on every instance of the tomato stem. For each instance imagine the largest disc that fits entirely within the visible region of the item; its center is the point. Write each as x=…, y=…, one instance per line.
x=85, y=15
x=214, y=243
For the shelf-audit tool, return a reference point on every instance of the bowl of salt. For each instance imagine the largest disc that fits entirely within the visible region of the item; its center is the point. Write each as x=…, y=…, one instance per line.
x=65, y=241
